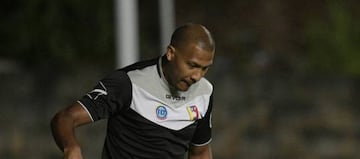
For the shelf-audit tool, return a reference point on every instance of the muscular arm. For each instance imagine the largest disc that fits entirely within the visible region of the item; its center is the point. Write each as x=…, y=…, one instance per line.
x=200, y=152
x=63, y=125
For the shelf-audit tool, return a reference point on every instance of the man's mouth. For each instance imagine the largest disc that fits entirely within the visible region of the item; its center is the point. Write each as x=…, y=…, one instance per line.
x=187, y=83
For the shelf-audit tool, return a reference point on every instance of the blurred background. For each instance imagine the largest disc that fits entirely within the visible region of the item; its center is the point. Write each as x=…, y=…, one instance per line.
x=286, y=73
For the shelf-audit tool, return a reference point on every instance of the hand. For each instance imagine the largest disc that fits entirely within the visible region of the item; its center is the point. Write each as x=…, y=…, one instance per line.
x=72, y=153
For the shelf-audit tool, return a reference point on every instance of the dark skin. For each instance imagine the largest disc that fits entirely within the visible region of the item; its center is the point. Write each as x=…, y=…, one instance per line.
x=63, y=128
x=186, y=66
x=187, y=63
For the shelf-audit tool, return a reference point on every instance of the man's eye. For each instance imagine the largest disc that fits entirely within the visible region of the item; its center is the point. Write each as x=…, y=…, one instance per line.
x=191, y=65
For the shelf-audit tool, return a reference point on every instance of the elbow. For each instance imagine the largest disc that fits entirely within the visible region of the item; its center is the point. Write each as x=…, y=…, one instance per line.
x=60, y=119
x=61, y=128
x=57, y=120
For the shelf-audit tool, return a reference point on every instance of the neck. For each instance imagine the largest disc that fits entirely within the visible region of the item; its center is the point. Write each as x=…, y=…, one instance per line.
x=165, y=72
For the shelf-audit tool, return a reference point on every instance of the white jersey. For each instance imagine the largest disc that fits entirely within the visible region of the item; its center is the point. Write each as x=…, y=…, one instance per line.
x=146, y=119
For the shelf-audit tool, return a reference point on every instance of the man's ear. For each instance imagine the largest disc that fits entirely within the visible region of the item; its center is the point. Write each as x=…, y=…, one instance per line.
x=170, y=52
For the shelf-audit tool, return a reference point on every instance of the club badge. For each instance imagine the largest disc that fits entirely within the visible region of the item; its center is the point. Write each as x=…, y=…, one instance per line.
x=161, y=112
x=193, y=112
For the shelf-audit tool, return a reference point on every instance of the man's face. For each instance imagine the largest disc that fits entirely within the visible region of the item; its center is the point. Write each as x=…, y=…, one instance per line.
x=187, y=66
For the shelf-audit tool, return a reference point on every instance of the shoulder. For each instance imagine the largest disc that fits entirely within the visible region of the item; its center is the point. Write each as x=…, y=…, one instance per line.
x=140, y=65
x=123, y=73
x=203, y=89
x=204, y=86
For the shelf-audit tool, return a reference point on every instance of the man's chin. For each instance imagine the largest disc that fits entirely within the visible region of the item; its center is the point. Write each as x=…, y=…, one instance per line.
x=182, y=87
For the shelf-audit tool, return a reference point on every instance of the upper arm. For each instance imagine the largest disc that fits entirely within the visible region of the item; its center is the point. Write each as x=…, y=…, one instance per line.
x=200, y=152
x=200, y=148
x=76, y=113
x=203, y=134
x=110, y=96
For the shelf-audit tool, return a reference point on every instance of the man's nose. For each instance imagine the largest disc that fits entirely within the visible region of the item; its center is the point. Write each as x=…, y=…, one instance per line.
x=197, y=75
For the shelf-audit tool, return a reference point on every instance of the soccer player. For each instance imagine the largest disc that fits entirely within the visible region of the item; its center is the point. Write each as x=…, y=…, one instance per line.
x=156, y=109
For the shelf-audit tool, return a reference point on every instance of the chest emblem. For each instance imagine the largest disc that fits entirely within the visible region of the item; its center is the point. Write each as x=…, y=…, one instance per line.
x=161, y=112
x=193, y=112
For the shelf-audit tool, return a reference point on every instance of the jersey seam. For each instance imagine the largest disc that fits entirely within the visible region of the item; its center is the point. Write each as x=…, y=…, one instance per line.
x=202, y=143
x=86, y=110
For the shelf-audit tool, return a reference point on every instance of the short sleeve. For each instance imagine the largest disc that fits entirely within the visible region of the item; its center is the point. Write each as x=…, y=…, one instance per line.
x=111, y=95
x=202, y=134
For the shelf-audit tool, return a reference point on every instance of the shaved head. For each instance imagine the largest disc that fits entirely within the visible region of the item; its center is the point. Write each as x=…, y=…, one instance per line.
x=189, y=55
x=196, y=34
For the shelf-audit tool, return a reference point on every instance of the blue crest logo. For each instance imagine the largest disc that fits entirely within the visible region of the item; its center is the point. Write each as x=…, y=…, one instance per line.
x=161, y=112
